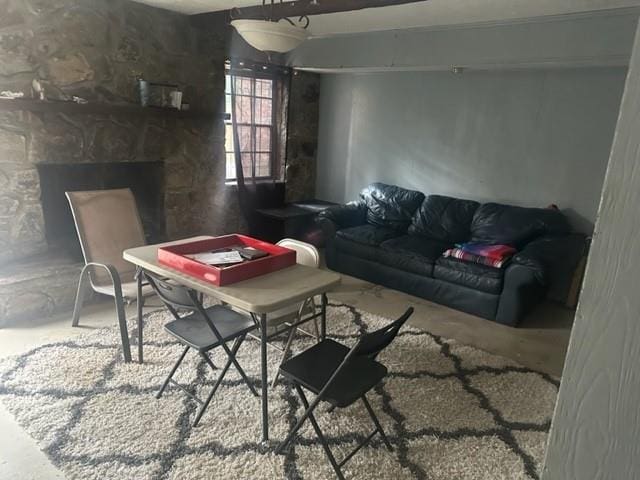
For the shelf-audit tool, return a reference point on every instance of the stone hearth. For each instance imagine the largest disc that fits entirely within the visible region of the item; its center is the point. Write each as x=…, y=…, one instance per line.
x=37, y=288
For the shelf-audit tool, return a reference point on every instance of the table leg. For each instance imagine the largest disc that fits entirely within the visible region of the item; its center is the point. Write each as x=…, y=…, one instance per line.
x=323, y=318
x=139, y=304
x=265, y=381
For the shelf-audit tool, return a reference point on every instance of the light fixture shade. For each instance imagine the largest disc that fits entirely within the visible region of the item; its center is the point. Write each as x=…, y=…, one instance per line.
x=270, y=36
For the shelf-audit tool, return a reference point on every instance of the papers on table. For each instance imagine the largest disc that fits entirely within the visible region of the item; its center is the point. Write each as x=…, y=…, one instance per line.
x=217, y=258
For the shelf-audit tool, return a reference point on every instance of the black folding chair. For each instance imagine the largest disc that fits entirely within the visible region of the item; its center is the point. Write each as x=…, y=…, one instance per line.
x=340, y=376
x=202, y=329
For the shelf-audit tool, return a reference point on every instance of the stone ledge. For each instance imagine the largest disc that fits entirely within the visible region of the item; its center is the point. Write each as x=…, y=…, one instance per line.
x=37, y=288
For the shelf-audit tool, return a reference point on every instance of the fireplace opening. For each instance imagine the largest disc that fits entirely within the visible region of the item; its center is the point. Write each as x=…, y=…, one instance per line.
x=145, y=179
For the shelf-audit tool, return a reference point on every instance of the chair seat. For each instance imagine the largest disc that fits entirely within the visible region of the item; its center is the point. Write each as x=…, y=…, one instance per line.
x=129, y=290
x=194, y=331
x=313, y=368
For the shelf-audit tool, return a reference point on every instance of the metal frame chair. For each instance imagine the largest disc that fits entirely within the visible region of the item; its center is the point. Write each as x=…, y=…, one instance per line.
x=306, y=254
x=107, y=223
x=340, y=376
x=202, y=329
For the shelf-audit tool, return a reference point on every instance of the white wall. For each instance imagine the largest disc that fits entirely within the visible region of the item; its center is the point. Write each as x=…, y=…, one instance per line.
x=596, y=428
x=530, y=137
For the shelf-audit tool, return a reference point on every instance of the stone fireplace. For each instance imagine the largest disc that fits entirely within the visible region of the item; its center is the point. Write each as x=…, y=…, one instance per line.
x=175, y=164
x=41, y=277
x=98, y=50
x=145, y=179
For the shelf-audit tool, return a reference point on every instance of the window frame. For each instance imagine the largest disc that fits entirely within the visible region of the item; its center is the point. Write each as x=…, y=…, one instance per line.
x=253, y=76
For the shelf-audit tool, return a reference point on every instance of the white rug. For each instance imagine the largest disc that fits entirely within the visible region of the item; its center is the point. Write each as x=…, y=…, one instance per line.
x=451, y=411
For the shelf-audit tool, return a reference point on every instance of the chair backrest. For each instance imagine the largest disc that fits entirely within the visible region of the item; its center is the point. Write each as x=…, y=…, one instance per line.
x=306, y=254
x=173, y=295
x=107, y=222
x=371, y=344
x=176, y=296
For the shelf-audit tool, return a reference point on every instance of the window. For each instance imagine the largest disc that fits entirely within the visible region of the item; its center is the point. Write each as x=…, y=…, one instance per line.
x=255, y=123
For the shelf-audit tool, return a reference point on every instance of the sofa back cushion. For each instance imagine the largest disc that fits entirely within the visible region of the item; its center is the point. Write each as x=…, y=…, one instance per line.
x=510, y=225
x=443, y=218
x=390, y=206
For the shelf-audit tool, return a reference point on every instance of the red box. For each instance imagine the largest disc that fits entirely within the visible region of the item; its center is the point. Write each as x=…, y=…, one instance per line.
x=278, y=258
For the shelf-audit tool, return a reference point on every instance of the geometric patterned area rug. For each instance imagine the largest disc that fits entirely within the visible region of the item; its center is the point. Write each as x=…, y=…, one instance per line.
x=450, y=411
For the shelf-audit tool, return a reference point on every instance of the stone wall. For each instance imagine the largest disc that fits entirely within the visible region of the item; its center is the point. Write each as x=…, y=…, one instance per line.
x=302, y=142
x=98, y=49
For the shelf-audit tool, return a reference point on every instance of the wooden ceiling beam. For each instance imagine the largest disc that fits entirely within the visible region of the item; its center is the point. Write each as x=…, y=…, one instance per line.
x=299, y=8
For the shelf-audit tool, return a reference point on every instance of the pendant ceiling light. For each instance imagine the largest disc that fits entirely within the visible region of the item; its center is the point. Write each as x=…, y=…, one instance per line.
x=272, y=34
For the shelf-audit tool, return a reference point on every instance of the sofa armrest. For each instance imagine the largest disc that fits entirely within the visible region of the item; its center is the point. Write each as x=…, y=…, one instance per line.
x=554, y=259
x=544, y=266
x=522, y=290
x=342, y=216
x=550, y=254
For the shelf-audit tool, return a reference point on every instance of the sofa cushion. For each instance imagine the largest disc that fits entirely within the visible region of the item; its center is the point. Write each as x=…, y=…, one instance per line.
x=390, y=206
x=510, y=225
x=444, y=218
x=367, y=234
x=360, y=250
x=420, y=247
x=411, y=253
x=472, y=275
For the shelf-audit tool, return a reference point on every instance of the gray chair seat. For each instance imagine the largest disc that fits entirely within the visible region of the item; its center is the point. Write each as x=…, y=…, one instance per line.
x=129, y=290
x=193, y=329
x=340, y=376
x=108, y=223
x=202, y=329
x=314, y=367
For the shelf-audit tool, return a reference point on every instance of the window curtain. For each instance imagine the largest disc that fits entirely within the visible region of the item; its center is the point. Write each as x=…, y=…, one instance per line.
x=237, y=148
x=266, y=193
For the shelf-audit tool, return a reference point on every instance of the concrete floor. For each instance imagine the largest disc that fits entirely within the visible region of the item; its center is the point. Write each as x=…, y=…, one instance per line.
x=539, y=343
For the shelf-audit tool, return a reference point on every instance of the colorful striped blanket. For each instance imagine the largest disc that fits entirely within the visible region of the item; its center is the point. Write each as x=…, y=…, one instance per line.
x=491, y=255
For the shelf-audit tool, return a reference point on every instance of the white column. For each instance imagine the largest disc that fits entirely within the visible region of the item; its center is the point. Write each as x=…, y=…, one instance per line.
x=595, y=432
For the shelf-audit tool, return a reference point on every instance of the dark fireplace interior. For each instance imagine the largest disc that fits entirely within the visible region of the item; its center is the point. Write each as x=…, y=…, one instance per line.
x=145, y=179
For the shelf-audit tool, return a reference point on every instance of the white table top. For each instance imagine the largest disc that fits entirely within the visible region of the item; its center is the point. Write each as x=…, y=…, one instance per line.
x=263, y=294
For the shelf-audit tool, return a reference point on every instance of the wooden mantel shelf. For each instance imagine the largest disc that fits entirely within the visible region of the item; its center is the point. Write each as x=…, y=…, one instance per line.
x=31, y=105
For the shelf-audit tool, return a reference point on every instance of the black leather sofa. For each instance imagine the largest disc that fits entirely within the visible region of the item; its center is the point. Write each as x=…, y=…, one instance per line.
x=395, y=237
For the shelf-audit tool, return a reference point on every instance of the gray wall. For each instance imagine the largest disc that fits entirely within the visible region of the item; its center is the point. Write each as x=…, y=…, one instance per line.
x=602, y=39
x=595, y=430
x=527, y=137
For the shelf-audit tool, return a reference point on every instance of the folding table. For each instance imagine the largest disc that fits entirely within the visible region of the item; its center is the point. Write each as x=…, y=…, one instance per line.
x=258, y=296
